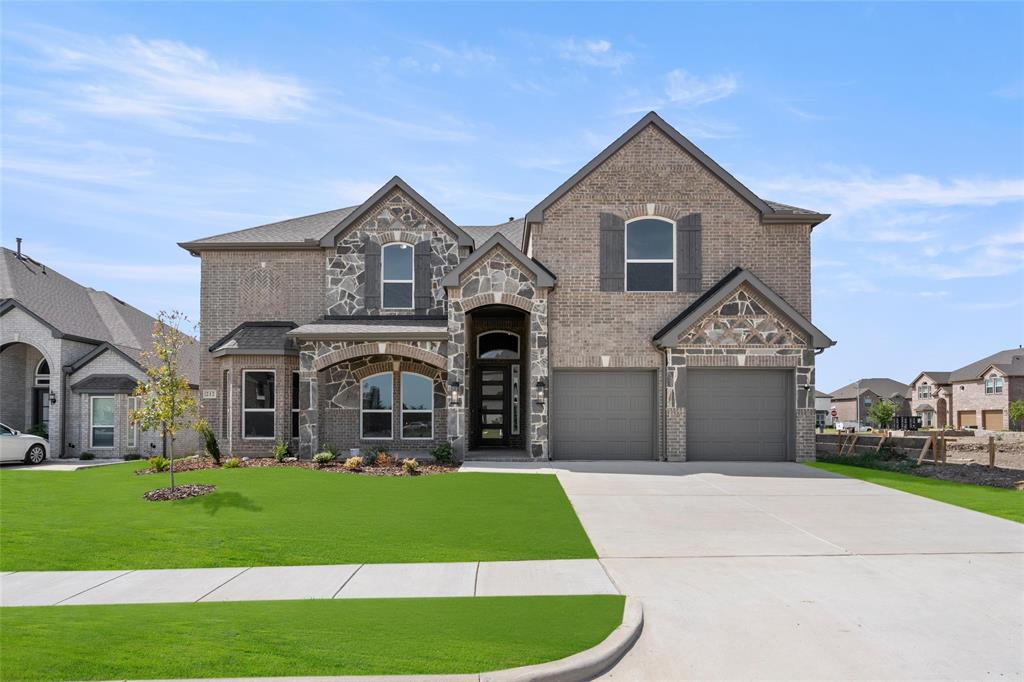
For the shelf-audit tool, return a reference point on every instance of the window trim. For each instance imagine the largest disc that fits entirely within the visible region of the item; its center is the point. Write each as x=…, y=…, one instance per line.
x=403, y=411
x=272, y=410
x=996, y=387
x=92, y=424
x=519, y=343
x=628, y=260
x=389, y=412
x=411, y=281
x=37, y=375
x=294, y=426
x=133, y=427
x=924, y=391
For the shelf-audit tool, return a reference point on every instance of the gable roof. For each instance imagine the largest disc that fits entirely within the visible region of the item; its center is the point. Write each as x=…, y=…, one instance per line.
x=771, y=212
x=880, y=386
x=668, y=335
x=303, y=232
x=1010, y=361
x=937, y=377
x=105, y=383
x=396, y=183
x=512, y=230
x=545, y=278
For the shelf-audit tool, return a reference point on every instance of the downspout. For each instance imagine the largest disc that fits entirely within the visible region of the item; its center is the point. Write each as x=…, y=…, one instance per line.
x=664, y=411
x=64, y=403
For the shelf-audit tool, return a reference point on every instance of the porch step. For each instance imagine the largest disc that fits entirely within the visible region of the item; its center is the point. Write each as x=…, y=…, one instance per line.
x=498, y=456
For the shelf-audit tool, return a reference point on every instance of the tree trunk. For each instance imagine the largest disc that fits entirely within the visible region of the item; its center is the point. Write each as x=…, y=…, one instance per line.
x=170, y=451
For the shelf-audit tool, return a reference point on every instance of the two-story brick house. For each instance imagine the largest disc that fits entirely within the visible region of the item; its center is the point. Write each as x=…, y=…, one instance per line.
x=976, y=395
x=651, y=307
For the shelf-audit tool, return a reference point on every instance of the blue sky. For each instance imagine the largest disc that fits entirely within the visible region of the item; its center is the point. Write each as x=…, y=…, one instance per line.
x=130, y=127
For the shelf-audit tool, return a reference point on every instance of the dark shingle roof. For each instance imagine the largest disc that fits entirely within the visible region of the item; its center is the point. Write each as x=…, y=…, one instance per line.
x=786, y=208
x=257, y=338
x=297, y=230
x=100, y=383
x=1010, y=361
x=880, y=386
x=512, y=231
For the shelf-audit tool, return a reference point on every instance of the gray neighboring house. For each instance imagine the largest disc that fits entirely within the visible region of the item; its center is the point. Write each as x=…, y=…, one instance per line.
x=853, y=401
x=650, y=307
x=69, y=360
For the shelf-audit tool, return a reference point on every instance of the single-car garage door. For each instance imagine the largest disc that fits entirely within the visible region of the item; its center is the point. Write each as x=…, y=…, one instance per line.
x=992, y=420
x=738, y=414
x=602, y=414
x=967, y=418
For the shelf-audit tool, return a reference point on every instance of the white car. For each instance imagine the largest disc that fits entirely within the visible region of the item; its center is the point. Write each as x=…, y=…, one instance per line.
x=16, y=446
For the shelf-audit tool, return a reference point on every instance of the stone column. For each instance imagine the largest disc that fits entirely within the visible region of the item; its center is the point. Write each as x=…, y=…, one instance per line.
x=457, y=374
x=309, y=392
x=539, y=372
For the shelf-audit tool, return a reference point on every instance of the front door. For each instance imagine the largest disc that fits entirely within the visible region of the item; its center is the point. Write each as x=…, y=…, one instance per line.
x=493, y=400
x=41, y=409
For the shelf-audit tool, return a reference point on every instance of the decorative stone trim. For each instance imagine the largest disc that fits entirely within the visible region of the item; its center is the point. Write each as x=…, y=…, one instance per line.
x=512, y=300
x=380, y=348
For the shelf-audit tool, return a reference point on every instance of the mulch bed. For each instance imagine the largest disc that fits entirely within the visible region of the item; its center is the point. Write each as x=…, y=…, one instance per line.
x=180, y=492
x=197, y=463
x=996, y=477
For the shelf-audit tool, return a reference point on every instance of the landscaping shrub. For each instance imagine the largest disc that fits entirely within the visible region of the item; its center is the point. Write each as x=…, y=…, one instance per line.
x=410, y=466
x=156, y=462
x=232, y=463
x=369, y=457
x=353, y=463
x=132, y=456
x=209, y=441
x=281, y=450
x=384, y=459
x=87, y=455
x=38, y=430
x=323, y=458
x=885, y=461
x=443, y=454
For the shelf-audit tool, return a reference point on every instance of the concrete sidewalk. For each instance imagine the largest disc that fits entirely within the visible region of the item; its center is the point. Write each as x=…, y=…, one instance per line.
x=468, y=579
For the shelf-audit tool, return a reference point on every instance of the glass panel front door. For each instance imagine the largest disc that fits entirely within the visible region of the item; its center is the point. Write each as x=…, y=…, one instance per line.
x=493, y=405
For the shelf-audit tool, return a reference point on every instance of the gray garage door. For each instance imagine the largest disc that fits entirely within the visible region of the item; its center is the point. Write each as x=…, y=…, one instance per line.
x=738, y=414
x=603, y=415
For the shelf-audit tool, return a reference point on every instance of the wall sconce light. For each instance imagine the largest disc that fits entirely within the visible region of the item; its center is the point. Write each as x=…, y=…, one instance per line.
x=53, y=398
x=540, y=386
x=455, y=394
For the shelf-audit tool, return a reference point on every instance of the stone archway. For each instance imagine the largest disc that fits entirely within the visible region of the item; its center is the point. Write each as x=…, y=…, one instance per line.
x=941, y=411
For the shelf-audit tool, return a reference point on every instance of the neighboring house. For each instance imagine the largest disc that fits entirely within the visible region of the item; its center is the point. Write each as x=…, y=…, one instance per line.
x=977, y=395
x=69, y=360
x=853, y=401
x=651, y=307
x=822, y=410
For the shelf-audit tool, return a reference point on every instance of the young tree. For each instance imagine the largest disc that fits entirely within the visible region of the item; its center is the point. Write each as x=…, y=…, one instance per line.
x=165, y=398
x=882, y=412
x=1017, y=413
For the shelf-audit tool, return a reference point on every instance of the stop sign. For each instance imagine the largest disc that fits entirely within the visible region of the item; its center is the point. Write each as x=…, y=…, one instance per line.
x=835, y=412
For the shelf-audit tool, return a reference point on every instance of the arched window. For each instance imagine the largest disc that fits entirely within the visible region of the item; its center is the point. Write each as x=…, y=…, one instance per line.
x=650, y=255
x=497, y=345
x=375, y=412
x=43, y=373
x=994, y=384
x=417, y=407
x=396, y=276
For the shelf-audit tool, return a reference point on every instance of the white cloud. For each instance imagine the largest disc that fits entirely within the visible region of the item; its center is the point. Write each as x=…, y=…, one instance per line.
x=894, y=236
x=686, y=89
x=1012, y=91
x=90, y=162
x=597, y=52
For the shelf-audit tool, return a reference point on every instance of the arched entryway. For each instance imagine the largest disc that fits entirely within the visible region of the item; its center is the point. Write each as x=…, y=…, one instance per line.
x=497, y=353
x=28, y=388
x=941, y=412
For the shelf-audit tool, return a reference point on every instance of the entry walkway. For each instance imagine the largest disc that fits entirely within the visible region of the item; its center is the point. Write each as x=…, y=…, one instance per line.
x=468, y=579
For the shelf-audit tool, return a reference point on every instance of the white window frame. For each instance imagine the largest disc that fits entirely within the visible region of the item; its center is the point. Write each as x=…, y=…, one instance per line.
x=40, y=380
x=390, y=412
x=133, y=427
x=519, y=342
x=994, y=385
x=295, y=405
x=401, y=406
x=272, y=410
x=92, y=424
x=924, y=391
x=412, y=274
x=628, y=260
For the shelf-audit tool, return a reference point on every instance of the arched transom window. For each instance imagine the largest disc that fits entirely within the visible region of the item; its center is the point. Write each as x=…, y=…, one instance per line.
x=397, y=276
x=43, y=373
x=650, y=255
x=497, y=345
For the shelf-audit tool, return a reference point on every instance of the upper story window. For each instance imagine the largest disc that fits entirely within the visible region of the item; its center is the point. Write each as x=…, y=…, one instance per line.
x=43, y=373
x=994, y=384
x=650, y=255
x=497, y=345
x=397, y=276
x=924, y=391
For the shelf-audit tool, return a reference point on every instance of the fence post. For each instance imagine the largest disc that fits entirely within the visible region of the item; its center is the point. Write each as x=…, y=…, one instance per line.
x=991, y=451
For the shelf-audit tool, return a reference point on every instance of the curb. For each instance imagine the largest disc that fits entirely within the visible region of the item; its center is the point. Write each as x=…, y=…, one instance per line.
x=585, y=665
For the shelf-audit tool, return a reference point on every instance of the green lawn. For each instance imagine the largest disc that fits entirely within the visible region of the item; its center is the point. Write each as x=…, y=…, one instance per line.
x=97, y=519
x=1002, y=502
x=312, y=637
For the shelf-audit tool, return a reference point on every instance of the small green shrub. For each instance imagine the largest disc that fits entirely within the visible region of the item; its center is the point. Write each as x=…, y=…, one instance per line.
x=331, y=449
x=209, y=441
x=370, y=457
x=87, y=456
x=443, y=454
x=324, y=458
x=38, y=430
x=410, y=466
x=353, y=463
x=157, y=463
x=132, y=456
x=281, y=450
x=232, y=463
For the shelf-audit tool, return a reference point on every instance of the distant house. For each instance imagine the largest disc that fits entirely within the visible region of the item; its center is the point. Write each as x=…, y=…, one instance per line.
x=853, y=401
x=822, y=410
x=977, y=395
x=70, y=357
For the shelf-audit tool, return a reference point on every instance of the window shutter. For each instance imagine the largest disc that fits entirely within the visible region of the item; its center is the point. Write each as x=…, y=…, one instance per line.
x=688, y=254
x=421, y=269
x=371, y=274
x=613, y=252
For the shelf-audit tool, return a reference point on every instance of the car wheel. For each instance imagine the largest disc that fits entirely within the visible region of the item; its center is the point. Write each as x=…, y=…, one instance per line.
x=35, y=454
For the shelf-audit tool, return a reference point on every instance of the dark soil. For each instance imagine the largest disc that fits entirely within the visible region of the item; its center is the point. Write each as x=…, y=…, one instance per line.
x=197, y=463
x=180, y=492
x=978, y=474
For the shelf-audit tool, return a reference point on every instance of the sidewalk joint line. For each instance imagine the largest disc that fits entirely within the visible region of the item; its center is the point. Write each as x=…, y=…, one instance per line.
x=223, y=583
x=476, y=577
x=347, y=580
x=119, y=575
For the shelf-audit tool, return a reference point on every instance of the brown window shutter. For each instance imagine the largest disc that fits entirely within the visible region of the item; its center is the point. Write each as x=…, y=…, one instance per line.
x=688, y=253
x=421, y=268
x=371, y=275
x=613, y=252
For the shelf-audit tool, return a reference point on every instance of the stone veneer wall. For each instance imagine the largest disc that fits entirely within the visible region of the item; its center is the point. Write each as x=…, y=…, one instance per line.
x=395, y=219
x=498, y=279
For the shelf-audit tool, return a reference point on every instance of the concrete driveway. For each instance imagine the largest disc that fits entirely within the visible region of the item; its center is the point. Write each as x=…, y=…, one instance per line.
x=781, y=571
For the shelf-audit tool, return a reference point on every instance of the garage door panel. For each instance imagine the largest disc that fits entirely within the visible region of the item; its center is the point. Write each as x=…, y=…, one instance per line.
x=603, y=415
x=738, y=414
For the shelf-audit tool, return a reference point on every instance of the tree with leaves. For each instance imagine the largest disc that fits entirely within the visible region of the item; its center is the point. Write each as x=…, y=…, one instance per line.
x=166, y=401
x=1017, y=413
x=882, y=412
